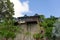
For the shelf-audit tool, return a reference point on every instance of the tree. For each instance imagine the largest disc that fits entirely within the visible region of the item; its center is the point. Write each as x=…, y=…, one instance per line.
x=8, y=30
x=56, y=29
x=7, y=27
x=47, y=24
x=6, y=9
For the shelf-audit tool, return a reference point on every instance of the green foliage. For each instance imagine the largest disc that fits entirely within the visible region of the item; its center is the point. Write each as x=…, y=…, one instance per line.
x=47, y=23
x=10, y=7
x=56, y=28
x=48, y=32
x=27, y=33
x=42, y=17
x=7, y=27
x=6, y=9
x=8, y=30
x=38, y=36
x=44, y=24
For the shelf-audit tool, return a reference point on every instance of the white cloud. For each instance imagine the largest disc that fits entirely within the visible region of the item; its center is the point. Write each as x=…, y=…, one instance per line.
x=20, y=7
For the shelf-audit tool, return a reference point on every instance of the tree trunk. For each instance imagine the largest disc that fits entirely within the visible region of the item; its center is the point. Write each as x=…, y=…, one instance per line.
x=6, y=39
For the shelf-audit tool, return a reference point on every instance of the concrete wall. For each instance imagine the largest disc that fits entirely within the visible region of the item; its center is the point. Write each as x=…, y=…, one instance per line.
x=31, y=28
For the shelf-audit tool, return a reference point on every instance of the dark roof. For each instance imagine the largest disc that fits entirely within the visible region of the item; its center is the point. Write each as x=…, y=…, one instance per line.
x=28, y=17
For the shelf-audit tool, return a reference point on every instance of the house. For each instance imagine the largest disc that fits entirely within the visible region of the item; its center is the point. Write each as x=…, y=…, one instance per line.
x=30, y=24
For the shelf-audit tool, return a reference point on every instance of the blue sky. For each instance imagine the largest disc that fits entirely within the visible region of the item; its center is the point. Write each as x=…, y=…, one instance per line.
x=45, y=7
